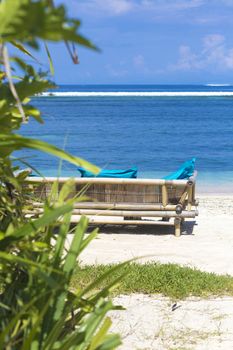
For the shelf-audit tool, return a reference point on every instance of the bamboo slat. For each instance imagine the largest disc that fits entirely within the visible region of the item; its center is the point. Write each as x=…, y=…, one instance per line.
x=101, y=221
x=99, y=180
x=114, y=206
x=131, y=213
x=136, y=213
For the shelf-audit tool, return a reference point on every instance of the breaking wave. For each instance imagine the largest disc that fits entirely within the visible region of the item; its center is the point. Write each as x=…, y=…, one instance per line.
x=134, y=93
x=218, y=85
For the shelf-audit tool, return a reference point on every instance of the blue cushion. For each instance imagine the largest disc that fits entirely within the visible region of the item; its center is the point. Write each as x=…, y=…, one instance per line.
x=128, y=173
x=184, y=172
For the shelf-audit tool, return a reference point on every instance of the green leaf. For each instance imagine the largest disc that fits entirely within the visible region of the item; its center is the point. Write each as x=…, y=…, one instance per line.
x=33, y=112
x=28, y=340
x=50, y=59
x=18, y=317
x=75, y=246
x=12, y=16
x=22, y=48
x=8, y=143
x=34, y=267
x=83, y=335
x=55, y=331
x=28, y=21
x=100, y=335
x=63, y=231
x=66, y=191
x=111, y=342
x=88, y=239
x=27, y=68
x=5, y=306
x=30, y=228
x=31, y=87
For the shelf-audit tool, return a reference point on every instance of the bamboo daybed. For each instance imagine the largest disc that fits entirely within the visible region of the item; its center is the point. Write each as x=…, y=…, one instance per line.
x=127, y=201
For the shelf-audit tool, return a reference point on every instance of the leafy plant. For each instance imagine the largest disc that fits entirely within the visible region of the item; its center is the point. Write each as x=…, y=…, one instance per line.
x=37, y=306
x=38, y=309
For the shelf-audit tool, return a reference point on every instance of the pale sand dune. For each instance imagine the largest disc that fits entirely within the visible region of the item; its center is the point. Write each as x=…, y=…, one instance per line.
x=148, y=322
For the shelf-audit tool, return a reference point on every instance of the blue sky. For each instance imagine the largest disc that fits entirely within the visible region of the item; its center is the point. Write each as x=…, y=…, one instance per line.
x=150, y=42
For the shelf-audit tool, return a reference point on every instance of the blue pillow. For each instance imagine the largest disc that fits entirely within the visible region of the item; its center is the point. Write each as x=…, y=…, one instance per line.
x=184, y=172
x=127, y=174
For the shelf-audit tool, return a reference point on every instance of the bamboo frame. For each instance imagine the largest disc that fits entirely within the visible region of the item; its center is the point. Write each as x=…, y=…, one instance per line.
x=177, y=223
x=137, y=213
x=100, y=221
x=101, y=180
x=128, y=213
x=164, y=195
x=125, y=201
x=190, y=197
x=121, y=206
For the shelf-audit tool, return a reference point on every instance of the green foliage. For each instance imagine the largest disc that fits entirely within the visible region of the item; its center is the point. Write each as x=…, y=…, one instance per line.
x=28, y=21
x=38, y=308
x=168, y=279
x=8, y=143
x=11, y=196
x=18, y=25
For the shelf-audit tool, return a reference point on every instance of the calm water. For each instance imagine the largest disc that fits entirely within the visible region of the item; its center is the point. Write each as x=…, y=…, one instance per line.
x=154, y=133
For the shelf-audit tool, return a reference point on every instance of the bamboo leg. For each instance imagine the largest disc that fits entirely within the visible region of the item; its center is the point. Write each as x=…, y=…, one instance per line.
x=184, y=196
x=190, y=195
x=177, y=223
x=164, y=195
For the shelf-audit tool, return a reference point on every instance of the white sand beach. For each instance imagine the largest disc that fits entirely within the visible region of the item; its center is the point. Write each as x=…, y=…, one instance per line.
x=148, y=323
x=207, y=244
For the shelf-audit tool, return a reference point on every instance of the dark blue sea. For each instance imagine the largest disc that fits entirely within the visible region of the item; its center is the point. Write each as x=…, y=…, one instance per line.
x=153, y=127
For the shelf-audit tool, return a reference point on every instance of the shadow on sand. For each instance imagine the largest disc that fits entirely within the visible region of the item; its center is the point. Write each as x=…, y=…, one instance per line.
x=186, y=229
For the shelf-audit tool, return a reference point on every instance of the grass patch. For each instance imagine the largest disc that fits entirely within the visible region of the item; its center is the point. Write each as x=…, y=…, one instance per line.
x=170, y=280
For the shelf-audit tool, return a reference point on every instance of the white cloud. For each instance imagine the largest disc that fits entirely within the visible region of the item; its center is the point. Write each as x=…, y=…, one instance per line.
x=106, y=7
x=214, y=54
x=171, y=4
x=212, y=41
x=211, y=12
x=204, y=19
x=116, y=72
x=116, y=7
x=187, y=59
x=119, y=7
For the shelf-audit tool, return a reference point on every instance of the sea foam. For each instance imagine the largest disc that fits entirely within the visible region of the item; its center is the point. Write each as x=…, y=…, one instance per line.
x=139, y=93
x=218, y=85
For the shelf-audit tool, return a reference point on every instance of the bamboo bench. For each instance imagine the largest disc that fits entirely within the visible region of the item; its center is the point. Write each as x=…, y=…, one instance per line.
x=126, y=201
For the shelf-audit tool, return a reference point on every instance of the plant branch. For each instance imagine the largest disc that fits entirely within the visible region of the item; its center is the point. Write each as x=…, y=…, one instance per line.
x=11, y=84
x=73, y=52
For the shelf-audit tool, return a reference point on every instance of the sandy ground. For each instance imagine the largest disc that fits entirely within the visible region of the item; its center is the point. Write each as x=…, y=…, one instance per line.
x=150, y=324
x=207, y=244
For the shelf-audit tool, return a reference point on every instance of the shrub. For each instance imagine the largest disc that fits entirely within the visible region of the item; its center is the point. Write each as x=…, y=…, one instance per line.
x=38, y=309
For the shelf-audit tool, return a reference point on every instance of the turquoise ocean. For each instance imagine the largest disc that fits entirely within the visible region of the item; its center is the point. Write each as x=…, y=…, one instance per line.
x=153, y=127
